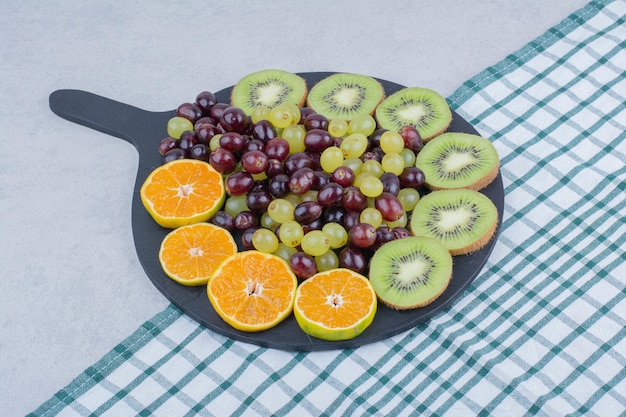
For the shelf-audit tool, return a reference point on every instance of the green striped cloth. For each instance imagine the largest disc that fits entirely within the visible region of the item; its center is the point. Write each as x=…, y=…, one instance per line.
x=541, y=331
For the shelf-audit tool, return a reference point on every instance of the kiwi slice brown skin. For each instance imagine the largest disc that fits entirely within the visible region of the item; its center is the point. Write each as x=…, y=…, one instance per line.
x=423, y=108
x=458, y=160
x=410, y=273
x=463, y=220
x=268, y=88
x=342, y=96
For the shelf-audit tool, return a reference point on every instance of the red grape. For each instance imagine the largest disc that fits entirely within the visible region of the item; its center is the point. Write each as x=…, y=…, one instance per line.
x=224, y=220
x=317, y=140
x=362, y=235
x=173, y=154
x=353, y=258
x=189, y=111
x=389, y=206
x=411, y=177
x=200, y=152
x=205, y=100
x=263, y=130
x=301, y=181
x=279, y=185
x=254, y=162
x=303, y=265
x=412, y=138
x=239, y=183
x=257, y=200
x=307, y=211
x=232, y=141
x=223, y=160
x=391, y=183
x=166, y=144
x=277, y=148
x=353, y=199
x=245, y=220
x=297, y=161
x=315, y=121
x=343, y=176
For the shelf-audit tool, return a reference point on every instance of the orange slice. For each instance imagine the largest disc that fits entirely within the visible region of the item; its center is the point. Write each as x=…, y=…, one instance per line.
x=253, y=291
x=191, y=254
x=338, y=304
x=182, y=192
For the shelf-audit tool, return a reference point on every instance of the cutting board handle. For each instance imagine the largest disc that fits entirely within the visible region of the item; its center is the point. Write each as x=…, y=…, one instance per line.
x=108, y=116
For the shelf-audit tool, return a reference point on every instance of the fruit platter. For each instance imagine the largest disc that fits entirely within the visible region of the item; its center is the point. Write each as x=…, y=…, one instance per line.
x=306, y=211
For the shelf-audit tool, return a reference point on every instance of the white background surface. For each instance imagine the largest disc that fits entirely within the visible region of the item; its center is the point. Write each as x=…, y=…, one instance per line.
x=71, y=286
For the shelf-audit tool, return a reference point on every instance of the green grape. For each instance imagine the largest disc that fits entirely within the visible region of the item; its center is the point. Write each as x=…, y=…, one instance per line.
x=393, y=162
x=291, y=233
x=267, y=221
x=331, y=158
x=260, y=176
x=294, y=199
x=391, y=142
x=353, y=145
x=310, y=195
x=214, y=143
x=337, y=235
x=373, y=167
x=401, y=222
x=259, y=113
x=236, y=204
x=281, y=116
x=315, y=243
x=294, y=110
x=359, y=178
x=408, y=197
x=294, y=135
x=371, y=216
x=371, y=186
x=177, y=125
x=264, y=240
x=355, y=164
x=285, y=251
x=408, y=156
x=327, y=261
x=338, y=128
x=280, y=210
x=363, y=123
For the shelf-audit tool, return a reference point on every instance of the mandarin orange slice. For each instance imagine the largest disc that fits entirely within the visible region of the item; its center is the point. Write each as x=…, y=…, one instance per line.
x=253, y=291
x=182, y=192
x=191, y=254
x=338, y=304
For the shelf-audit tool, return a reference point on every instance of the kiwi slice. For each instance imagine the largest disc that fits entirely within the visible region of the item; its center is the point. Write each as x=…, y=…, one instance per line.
x=411, y=272
x=458, y=160
x=343, y=96
x=463, y=220
x=423, y=108
x=268, y=88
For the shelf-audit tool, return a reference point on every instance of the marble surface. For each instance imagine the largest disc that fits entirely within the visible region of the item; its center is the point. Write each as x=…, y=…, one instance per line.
x=71, y=285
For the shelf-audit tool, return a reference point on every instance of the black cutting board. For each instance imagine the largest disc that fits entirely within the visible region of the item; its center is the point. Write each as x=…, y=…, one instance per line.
x=144, y=129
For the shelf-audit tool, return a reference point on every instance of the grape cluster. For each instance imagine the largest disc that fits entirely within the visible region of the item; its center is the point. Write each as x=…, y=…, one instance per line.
x=319, y=193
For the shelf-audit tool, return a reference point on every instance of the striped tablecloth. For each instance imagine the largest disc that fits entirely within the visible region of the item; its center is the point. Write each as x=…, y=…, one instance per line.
x=541, y=331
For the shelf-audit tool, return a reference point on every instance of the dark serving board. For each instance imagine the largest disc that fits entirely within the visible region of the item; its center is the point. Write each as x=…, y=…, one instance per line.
x=144, y=129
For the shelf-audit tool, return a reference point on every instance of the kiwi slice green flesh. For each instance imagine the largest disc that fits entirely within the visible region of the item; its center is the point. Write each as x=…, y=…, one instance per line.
x=411, y=272
x=268, y=88
x=344, y=96
x=463, y=220
x=423, y=108
x=458, y=160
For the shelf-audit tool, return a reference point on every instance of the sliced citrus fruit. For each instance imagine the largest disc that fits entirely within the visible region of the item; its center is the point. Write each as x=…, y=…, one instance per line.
x=253, y=291
x=182, y=192
x=191, y=254
x=338, y=304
